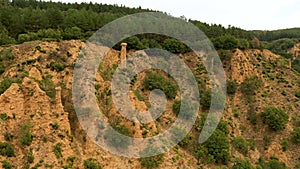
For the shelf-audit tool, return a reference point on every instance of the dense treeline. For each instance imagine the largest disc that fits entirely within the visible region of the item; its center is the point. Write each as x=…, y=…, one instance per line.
x=23, y=20
x=277, y=34
x=28, y=20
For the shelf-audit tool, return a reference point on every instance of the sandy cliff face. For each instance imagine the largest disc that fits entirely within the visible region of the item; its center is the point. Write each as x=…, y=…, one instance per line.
x=32, y=99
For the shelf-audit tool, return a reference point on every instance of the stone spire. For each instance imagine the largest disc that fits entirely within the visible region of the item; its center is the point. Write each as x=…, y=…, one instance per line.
x=123, y=51
x=58, y=99
x=290, y=61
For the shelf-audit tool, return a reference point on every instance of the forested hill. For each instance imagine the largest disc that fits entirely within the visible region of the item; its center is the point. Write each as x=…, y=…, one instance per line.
x=29, y=20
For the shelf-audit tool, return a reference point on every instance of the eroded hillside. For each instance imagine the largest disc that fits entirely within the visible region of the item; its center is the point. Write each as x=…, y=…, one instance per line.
x=43, y=131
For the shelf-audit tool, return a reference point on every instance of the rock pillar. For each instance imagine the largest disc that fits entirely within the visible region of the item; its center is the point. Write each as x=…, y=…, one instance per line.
x=59, y=106
x=123, y=52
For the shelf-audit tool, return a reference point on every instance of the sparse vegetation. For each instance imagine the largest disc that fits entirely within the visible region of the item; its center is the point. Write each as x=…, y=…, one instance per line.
x=57, y=150
x=275, y=118
x=3, y=116
x=297, y=93
x=116, y=140
x=231, y=87
x=8, y=136
x=240, y=144
x=139, y=95
x=242, y=164
x=285, y=145
x=6, y=149
x=296, y=135
x=250, y=86
x=55, y=125
x=5, y=84
x=151, y=162
x=30, y=156
x=91, y=164
x=272, y=164
x=26, y=136
x=48, y=86
x=56, y=66
x=6, y=165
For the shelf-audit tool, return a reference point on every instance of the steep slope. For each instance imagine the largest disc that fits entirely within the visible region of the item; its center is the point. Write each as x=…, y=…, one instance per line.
x=32, y=104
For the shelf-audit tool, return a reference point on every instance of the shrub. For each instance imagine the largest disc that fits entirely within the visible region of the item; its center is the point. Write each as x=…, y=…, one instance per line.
x=91, y=164
x=116, y=140
x=231, y=87
x=226, y=42
x=31, y=36
x=284, y=145
x=57, y=150
x=3, y=116
x=157, y=81
x=30, y=156
x=224, y=54
x=186, y=141
x=223, y=126
x=8, y=136
x=151, y=162
x=185, y=107
x=6, y=55
x=275, y=118
x=6, y=149
x=297, y=93
x=243, y=164
x=174, y=46
x=26, y=137
x=55, y=125
x=5, y=38
x=272, y=164
x=218, y=147
x=252, y=115
x=176, y=106
x=49, y=34
x=267, y=141
x=57, y=66
x=251, y=85
x=205, y=99
x=296, y=135
x=48, y=86
x=72, y=33
x=2, y=68
x=240, y=144
x=40, y=49
x=5, y=84
x=6, y=165
x=139, y=95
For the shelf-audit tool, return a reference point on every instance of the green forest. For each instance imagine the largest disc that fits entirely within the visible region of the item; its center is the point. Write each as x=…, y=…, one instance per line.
x=29, y=20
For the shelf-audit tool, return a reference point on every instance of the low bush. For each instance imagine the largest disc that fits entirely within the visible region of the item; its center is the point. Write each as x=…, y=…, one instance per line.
x=151, y=162
x=58, y=150
x=5, y=84
x=296, y=135
x=157, y=81
x=275, y=118
x=297, y=93
x=6, y=149
x=231, y=87
x=240, y=144
x=26, y=136
x=30, y=156
x=242, y=164
x=6, y=165
x=251, y=85
x=91, y=164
